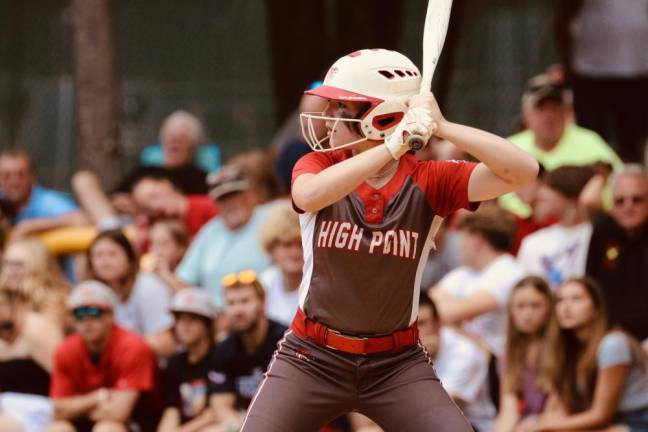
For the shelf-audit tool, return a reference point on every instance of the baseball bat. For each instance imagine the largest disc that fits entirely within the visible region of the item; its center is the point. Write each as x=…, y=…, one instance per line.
x=434, y=33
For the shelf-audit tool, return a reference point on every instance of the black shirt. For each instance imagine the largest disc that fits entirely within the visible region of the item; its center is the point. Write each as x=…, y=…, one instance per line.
x=24, y=376
x=237, y=371
x=185, y=385
x=620, y=264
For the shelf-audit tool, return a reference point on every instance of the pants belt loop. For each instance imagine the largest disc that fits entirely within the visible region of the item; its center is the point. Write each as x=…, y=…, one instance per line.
x=319, y=334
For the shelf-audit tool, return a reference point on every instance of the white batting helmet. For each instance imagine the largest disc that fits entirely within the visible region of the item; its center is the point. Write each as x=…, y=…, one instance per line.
x=382, y=78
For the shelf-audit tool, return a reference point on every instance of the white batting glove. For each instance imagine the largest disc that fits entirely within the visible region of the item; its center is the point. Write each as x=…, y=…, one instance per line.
x=417, y=121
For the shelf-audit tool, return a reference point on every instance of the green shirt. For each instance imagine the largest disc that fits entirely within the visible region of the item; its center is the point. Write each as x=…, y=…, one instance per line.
x=578, y=146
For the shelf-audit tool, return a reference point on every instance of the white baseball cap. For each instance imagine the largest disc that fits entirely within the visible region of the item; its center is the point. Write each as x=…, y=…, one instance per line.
x=92, y=293
x=195, y=301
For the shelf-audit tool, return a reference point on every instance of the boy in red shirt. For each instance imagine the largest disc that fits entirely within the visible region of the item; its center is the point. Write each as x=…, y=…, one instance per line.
x=104, y=376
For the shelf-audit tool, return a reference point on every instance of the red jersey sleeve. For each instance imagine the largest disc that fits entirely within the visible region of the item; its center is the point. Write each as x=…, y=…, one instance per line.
x=135, y=366
x=314, y=162
x=445, y=184
x=62, y=382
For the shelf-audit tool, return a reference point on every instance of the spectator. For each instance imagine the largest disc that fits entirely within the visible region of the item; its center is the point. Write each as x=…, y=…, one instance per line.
x=551, y=139
x=559, y=251
x=182, y=152
x=476, y=294
x=28, y=340
x=169, y=242
x=258, y=166
x=187, y=403
x=143, y=305
x=618, y=252
x=446, y=258
x=529, y=313
x=33, y=208
x=156, y=196
x=230, y=242
x=28, y=267
x=597, y=375
x=539, y=216
x=104, y=376
x=281, y=239
x=462, y=366
x=604, y=53
x=240, y=361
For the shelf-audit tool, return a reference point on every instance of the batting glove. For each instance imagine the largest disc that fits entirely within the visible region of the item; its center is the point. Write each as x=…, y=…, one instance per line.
x=417, y=121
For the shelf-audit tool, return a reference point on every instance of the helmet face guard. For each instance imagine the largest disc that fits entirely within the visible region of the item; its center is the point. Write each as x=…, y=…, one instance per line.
x=376, y=124
x=384, y=79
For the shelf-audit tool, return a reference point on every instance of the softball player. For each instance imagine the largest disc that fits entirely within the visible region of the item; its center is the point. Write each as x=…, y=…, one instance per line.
x=369, y=213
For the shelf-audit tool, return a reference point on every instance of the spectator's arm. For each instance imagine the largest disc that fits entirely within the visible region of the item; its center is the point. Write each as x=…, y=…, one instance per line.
x=163, y=343
x=508, y=415
x=453, y=309
x=92, y=198
x=609, y=385
x=223, y=407
x=117, y=406
x=68, y=408
x=171, y=421
x=31, y=226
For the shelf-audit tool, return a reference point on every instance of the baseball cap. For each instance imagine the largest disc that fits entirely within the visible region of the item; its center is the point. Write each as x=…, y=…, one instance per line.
x=92, y=293
x=195, y=301
x=542, y=87
x=226, y=180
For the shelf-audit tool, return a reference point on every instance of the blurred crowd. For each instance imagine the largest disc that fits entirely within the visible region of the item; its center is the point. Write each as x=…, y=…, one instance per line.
x=157, y=306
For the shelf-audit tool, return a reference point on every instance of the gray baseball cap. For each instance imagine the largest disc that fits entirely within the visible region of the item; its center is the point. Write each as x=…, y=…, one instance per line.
x=226, y=180
x=194, y=301
x=92, y=293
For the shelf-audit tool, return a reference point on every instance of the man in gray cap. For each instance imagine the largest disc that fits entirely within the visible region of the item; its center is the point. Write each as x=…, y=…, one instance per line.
x=185, y=383
x=104, y=376
x=230, y=242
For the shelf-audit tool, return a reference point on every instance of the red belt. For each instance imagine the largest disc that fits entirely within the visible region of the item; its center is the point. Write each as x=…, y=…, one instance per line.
x=396, y=342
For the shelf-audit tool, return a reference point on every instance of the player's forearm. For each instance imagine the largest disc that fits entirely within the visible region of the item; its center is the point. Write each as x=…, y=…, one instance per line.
x=313, y=193
x=503, y=158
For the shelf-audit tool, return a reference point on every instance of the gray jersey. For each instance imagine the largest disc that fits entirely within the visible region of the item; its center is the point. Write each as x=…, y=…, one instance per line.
x=365, y=254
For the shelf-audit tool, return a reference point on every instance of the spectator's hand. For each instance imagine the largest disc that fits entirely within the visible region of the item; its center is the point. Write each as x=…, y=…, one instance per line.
x=528, y=424
x=123, y=203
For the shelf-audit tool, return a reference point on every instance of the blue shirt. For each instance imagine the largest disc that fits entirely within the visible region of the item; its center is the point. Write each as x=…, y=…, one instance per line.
x=45, y=203
x=217, y=251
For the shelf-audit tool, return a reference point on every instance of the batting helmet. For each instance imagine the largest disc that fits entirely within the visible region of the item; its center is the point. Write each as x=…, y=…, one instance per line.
x=382, y=78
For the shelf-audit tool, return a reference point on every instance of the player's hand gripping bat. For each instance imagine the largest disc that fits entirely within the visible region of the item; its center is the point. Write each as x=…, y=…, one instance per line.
x=434, y=33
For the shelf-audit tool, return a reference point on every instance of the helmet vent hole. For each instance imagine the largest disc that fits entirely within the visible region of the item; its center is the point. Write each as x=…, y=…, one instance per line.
x=409, y=73
x=386, y=74
x=385, y=121
x=400, y=73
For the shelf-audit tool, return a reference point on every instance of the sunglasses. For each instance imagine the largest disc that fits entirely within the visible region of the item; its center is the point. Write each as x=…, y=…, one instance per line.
x=633, y=199
x=84, y=312
x=6, y=326
x=245, y=277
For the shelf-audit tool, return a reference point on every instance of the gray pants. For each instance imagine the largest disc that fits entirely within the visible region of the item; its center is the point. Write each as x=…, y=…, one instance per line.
x=307, y=386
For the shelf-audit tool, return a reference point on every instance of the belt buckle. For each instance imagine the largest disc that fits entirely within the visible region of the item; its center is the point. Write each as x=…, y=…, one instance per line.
x=346, y=336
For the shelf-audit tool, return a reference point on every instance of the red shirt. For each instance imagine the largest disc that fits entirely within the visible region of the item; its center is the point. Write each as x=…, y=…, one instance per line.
x=126, y=364
x=200, y=211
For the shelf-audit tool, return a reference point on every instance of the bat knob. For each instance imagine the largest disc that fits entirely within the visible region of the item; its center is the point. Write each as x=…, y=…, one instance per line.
x=415, y=142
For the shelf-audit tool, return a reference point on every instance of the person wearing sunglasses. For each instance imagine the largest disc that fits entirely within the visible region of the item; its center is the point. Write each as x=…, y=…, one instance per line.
x=104, y=377
x=239, y=362
x=618, y=251
x=28, y=340
x=185, y=377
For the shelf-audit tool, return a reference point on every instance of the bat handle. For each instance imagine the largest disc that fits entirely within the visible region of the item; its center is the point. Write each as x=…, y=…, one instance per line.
x=415, y=142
